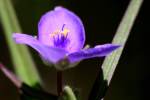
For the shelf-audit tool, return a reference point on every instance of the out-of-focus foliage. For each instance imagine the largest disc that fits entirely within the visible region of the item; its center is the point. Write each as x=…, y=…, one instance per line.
x=23, y=64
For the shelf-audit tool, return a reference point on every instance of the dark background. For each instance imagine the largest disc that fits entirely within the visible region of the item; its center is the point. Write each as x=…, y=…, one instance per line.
x=131, y=80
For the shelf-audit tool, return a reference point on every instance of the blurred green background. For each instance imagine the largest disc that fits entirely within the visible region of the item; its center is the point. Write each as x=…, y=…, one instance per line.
x=101, y=18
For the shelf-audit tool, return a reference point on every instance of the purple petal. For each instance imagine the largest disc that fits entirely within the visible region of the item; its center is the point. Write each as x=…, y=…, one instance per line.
x=98, y=51
x=50, y=54
x=58, y=19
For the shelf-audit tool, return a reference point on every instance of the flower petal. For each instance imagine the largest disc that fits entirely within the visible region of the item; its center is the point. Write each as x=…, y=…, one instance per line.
x=50, y=54
x=98, y=51
x=58, y=19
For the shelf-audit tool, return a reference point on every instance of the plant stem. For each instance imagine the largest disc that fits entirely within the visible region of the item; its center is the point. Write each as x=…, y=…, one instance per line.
x=11, y=76
x=69, y=93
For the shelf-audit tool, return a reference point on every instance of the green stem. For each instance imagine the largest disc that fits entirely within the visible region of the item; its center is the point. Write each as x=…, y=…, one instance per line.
x=69, y=93
x=23, y=63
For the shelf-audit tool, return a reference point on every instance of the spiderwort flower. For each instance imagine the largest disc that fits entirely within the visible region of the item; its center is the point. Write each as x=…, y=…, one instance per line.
x=61, y=37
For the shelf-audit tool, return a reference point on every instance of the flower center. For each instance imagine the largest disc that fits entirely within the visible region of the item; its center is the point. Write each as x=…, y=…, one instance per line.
x=60, y=37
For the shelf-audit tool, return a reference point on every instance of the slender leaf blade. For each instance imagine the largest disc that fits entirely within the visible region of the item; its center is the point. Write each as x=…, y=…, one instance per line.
x=21, y=58
x=120, y=38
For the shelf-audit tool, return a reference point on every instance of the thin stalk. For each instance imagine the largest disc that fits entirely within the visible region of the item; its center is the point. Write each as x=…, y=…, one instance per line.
x=13, y=78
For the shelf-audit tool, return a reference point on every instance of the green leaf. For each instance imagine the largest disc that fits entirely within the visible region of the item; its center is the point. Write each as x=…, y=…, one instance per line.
x=110, y=62
x=21, y=58
x=120, y=38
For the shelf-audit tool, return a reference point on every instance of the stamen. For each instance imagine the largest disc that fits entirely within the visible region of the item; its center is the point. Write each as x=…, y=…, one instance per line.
x=60, y=36
x=63, y=27
x=65, y=32
x=54, y=33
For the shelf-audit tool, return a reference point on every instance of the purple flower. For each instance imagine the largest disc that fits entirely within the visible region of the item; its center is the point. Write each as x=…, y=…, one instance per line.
x=61, y=36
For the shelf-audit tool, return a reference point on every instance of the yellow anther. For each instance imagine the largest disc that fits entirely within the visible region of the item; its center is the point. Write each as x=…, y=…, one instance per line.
x=64, y=33
x=54, y=33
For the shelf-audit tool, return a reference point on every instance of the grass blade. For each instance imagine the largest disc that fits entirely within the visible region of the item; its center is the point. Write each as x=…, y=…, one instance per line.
x=122, y=33
x=23, y=63
x=110, y=62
